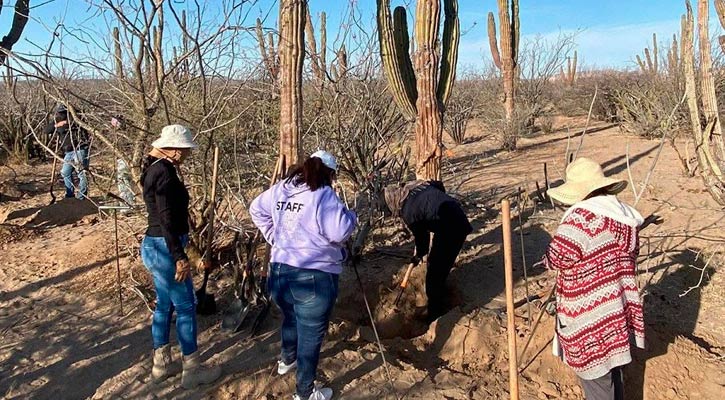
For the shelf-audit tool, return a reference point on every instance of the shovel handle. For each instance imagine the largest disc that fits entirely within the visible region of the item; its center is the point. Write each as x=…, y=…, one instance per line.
x=406, y=277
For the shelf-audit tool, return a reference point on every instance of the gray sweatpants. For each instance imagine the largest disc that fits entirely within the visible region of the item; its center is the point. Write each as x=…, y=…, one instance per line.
x=608, y=387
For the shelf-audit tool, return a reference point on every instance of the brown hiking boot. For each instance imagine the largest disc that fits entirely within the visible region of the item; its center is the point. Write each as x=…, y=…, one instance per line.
x=162, y=363
x=195, y=373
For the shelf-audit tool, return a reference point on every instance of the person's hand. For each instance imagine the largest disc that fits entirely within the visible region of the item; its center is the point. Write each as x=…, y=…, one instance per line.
x=183, y=270
x=415, y=260
x=204, y=265
x=61, y=123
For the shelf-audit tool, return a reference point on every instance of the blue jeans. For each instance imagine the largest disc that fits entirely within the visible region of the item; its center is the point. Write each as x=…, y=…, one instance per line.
x=306, y=298
x=170, y=295
x=75, y=161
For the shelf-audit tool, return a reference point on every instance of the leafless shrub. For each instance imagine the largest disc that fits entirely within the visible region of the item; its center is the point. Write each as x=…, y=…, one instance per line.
x=461, y=108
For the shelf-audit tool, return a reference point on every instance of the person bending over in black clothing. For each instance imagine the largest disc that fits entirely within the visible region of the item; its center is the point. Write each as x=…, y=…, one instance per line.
x=425, y=208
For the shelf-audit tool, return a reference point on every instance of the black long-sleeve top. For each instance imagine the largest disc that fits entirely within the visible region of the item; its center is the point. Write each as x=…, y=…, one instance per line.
x=432, y=210
x=70, y=136
x=167, y=203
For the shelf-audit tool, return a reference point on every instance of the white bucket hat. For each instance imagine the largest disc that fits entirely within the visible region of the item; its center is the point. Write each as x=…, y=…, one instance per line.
x=175, y=137
x=327, y=159
x=584, y=176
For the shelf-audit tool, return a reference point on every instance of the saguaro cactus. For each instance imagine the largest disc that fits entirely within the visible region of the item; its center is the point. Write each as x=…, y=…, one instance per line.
x=117, y=55
x=292, y=54
x=20, y=18
x=421, y=86
x=506, y=60
x=569, y=75
x=650, y=64
x=708, y=140
x=270, y=57
x=318, y=58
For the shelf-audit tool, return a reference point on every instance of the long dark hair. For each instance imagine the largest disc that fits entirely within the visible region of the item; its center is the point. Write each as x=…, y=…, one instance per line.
x=313, y=173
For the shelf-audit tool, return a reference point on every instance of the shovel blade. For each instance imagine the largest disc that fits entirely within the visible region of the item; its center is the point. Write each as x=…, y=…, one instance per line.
x=234, y=315
x=206, y=305
x=253, y=318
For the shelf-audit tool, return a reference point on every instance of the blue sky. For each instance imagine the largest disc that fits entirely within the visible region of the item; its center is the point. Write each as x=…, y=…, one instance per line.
x=611, y=32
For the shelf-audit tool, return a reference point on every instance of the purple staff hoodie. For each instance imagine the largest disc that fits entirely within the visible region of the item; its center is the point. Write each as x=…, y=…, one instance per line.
x=306, y=229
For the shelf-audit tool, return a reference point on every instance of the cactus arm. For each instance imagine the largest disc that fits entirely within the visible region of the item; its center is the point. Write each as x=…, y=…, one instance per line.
x=402, y=49
x=401, y=90
x=492, y=42
x=449, y=56
x=515, y=31
x=323, y=43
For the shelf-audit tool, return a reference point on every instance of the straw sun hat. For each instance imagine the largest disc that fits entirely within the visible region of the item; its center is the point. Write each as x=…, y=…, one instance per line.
x=584, y=176
x=175, y=137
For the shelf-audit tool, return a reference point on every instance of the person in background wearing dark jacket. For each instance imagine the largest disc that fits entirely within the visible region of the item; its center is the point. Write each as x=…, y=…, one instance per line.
x=74, y=142
x=162, y=252
x=425, y=208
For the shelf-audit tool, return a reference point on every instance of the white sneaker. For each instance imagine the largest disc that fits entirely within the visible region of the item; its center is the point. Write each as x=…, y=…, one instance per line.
x=283, y=368
x=317, y=394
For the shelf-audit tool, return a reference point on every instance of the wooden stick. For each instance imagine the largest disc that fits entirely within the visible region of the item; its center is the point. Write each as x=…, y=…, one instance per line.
x=511, y=323
x=118, y=262
x=212, y=205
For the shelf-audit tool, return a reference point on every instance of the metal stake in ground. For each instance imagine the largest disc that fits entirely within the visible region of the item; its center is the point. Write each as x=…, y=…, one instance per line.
x=511, y=323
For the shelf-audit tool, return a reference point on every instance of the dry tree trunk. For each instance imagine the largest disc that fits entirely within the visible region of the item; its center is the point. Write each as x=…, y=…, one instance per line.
x=292, y=52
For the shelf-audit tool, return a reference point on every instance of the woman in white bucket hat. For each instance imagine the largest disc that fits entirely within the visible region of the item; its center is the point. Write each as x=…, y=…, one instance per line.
x=594, y=251
x=162, y=252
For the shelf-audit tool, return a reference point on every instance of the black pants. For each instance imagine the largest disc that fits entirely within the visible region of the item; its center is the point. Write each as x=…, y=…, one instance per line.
x=608, y=387
x=447, y=243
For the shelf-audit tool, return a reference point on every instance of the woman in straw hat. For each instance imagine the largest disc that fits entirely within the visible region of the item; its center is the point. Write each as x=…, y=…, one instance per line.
x=594, y=251
x=162, y=252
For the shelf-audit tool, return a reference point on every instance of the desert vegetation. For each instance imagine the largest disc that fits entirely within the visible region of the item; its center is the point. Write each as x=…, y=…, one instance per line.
x=385, y=93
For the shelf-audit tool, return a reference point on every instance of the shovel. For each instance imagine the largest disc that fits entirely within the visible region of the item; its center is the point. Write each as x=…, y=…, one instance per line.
x=238, y=309
x=404, y=283
x=206, y=305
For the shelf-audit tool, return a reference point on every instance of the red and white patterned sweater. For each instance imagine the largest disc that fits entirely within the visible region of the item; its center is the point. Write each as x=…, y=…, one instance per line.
x=599, y=310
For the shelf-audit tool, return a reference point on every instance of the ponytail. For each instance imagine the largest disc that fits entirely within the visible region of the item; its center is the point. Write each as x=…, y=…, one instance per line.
x=313, y=173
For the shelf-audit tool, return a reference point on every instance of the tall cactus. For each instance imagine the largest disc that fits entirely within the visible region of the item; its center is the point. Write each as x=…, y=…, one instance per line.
x=270, y=56
x=422, y=85
x=708, y=142
x=117, y=54
x=292, y=53
x=20, y=18
x=506, y=59
x=318, y=58
x=650, y=63
x=569, y=76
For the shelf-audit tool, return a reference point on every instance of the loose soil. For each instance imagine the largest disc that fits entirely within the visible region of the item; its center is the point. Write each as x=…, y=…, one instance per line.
x=63, y=336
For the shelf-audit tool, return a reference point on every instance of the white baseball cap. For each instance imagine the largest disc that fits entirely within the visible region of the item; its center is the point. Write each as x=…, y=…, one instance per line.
x=327, y=159
x=175, y=137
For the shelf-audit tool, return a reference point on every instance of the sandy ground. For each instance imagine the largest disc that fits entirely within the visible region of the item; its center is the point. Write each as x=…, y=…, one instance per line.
x=62, y=334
